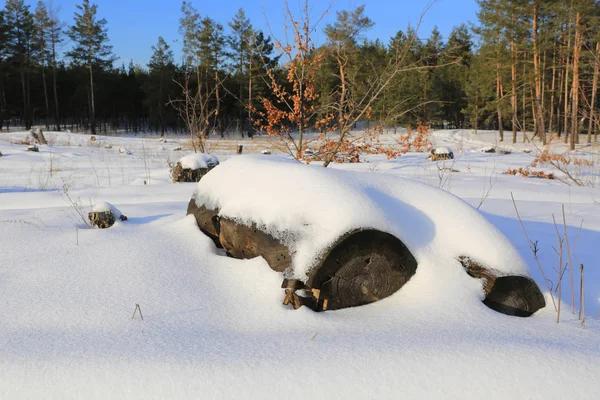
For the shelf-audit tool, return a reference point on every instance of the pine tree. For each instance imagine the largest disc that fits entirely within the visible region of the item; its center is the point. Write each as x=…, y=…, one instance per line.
x=91, y=48
x=160, y=82
x=261, y=61
x=3, y=67
x=19, y=23
x=41, y=48
x=453, y=76
x=55, y=38
x=240, y=43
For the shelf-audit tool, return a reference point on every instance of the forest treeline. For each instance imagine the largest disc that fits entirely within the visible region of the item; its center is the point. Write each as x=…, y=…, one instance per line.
x=524, y=65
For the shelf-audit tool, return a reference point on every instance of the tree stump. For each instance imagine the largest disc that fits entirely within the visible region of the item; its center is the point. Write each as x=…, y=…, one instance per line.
x=104, y=216
x=34, y=149
x=441, y=153
x=180, y=174
x=240, y=148
x=193, y=167
x=513, y=295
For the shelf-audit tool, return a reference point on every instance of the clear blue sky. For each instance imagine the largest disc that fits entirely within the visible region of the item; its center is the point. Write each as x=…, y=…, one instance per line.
x=134, y=25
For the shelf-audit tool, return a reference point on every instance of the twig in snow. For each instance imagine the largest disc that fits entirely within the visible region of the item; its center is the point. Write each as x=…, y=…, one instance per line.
x=570, y=263
x=137, y=308
x=533, y=250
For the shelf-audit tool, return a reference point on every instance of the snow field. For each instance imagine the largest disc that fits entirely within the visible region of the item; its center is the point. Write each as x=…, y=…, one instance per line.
x=214, y=327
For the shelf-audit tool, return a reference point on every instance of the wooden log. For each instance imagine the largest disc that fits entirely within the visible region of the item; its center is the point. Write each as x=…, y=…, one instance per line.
x=207, y=220
x=246, y=242
x=364, y=266
x=508, y=294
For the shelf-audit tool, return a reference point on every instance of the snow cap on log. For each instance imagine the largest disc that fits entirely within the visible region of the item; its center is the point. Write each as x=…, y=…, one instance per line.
x=309, y=208
x=199, y=160
x=193, y=167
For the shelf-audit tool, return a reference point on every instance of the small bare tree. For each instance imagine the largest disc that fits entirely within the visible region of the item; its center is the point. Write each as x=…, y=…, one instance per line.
x=352, y=98
x=295, y=106
x=198, y=108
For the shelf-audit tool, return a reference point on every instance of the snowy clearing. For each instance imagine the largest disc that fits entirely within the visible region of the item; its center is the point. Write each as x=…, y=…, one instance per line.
x=214, y=327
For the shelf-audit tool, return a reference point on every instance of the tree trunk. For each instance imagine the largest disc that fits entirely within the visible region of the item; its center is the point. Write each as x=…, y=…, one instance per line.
x=566, y=101
x=92, y=101
x=575, y=88
x=513, y=97
x=46, y=95
x=552, y=90
x=539, y=125
x=593, y=99
x=55, y=87
x=498, y=99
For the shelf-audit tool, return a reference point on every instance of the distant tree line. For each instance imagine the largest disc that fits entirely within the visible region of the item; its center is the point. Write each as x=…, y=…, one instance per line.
x=525, y=65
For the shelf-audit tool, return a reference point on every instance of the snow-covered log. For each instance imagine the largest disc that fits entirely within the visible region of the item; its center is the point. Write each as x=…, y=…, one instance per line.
x=193, y=167
x=104, y=215
x=349, y=238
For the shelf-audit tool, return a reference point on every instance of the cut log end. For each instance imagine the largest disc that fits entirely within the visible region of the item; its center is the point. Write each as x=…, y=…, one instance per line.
x=518, y=296
x=512, y=295
x=362, y=267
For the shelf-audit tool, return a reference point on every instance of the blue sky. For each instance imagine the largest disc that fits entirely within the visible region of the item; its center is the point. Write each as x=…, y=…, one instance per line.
x=134, y=25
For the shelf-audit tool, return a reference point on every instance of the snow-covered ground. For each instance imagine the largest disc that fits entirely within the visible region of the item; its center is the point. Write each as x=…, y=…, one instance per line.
x=214, y=327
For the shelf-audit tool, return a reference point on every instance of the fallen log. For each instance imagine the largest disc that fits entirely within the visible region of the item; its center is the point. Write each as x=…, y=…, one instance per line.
x=247, y=242
x=511, y=295
x=362, y=267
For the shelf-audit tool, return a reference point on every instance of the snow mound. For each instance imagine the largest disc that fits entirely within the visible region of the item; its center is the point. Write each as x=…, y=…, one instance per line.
x=309, y=207
x=105, y=207
x=199, y=160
